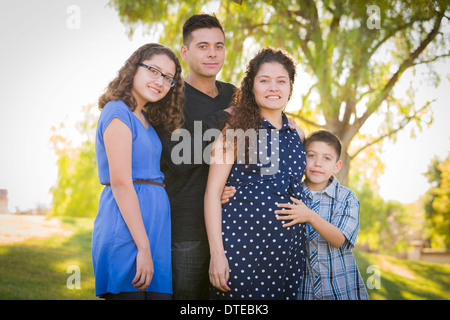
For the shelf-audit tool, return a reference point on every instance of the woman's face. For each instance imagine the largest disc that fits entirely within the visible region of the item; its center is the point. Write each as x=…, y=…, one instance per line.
x=146, y=88
x=272, y=86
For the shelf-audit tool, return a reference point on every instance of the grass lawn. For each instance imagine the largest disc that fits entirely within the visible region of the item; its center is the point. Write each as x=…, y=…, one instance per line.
x=405, y=280
x=37, y=269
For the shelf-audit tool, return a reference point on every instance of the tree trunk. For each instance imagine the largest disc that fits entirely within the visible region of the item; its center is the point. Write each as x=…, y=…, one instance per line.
x=342, y=175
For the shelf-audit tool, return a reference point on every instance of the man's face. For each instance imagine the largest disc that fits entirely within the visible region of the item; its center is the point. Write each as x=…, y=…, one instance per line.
x=205, y=53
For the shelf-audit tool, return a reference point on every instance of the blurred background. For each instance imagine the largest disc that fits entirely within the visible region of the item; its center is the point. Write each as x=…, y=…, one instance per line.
x=376, y=73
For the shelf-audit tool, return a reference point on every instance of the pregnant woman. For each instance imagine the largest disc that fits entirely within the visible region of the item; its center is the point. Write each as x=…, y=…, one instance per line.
x=252, y=255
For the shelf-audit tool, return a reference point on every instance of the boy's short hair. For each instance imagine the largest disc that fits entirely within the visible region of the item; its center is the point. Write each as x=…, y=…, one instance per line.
x=199, y=21
x=327, y=137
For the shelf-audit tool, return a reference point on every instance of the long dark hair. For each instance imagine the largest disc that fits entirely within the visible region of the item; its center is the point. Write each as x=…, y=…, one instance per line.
x=167, y=111
x=246, y=113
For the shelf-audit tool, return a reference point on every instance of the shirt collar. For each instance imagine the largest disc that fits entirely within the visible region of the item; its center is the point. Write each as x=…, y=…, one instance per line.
x=268, y=125
x=330, y=190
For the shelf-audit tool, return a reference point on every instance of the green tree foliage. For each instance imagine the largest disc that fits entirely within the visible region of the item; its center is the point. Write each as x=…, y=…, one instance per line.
x=437, y=203
x=77, y=189
x=385, y=226
x=354, y=52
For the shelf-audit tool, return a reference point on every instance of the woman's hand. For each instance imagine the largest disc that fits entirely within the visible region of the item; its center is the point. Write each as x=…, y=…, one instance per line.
x=219, y=272
x=144, y=269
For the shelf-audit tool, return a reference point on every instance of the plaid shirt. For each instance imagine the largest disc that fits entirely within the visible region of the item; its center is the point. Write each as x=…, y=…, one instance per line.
x=333, y=268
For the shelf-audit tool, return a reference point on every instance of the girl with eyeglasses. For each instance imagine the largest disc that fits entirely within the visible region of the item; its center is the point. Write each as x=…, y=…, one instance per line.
x=131, y=241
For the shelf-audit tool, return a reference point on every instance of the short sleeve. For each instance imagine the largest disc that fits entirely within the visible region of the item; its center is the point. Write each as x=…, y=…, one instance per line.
x=114, y=109
x=346, y=217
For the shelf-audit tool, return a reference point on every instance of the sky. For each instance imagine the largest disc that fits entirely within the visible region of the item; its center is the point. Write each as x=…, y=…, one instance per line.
x=58, y=55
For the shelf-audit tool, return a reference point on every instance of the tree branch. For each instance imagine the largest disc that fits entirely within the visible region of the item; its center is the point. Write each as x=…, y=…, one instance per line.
x=370, y=90
x=291, y=15
x=299, y=117
x=308, y=93
x=408, y=62
x=389, y=35
x=350, y=107
x=431, y=60
x=403, y=124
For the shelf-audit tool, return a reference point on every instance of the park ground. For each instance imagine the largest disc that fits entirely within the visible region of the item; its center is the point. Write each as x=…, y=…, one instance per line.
x=39, y=256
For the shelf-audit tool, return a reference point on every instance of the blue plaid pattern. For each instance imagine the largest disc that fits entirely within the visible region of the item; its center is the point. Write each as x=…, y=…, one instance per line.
x=312, y=254
x=331, y=273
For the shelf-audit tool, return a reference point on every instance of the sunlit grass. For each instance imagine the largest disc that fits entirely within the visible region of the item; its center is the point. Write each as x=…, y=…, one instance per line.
x=37, y=269
x=406, y=280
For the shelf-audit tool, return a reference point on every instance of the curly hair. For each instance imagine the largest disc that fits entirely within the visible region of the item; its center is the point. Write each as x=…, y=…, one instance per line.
x=246, y=114
x=168, y=111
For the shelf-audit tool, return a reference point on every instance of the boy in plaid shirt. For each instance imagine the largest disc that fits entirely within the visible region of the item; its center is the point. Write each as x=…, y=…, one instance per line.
x=332, y=213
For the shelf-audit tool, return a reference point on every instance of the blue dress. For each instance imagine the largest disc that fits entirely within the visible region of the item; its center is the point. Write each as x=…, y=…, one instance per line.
x=113, y=249
x=266, y=260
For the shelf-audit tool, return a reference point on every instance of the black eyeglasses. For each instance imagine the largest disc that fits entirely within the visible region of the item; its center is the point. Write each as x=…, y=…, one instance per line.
x=156, y=74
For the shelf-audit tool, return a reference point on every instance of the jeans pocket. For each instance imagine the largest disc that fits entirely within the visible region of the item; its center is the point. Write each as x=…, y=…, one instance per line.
x=185, y=245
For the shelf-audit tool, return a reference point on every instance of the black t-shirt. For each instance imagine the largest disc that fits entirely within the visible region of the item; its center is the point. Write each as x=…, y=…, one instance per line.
x=186, y=182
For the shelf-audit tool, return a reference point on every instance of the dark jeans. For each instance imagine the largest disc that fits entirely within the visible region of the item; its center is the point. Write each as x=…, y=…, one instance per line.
x=190, y=265
x=137, y=296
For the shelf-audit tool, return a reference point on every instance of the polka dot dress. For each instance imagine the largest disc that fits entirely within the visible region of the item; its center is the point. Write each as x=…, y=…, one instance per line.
x=266, y=260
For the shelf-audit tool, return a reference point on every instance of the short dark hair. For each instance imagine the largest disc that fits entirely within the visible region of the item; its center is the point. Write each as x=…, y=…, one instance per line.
x=199, y=21
x=327, y=137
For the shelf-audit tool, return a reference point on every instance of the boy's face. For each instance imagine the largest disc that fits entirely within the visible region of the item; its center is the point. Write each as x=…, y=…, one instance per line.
x=205, y=53
x=321, y=164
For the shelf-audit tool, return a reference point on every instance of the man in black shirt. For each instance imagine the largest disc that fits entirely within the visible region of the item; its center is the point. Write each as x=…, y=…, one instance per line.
x=207, y=101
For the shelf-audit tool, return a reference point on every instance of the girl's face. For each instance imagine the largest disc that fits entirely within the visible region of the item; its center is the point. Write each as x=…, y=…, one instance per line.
x=272, y=86
x=148, y=89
